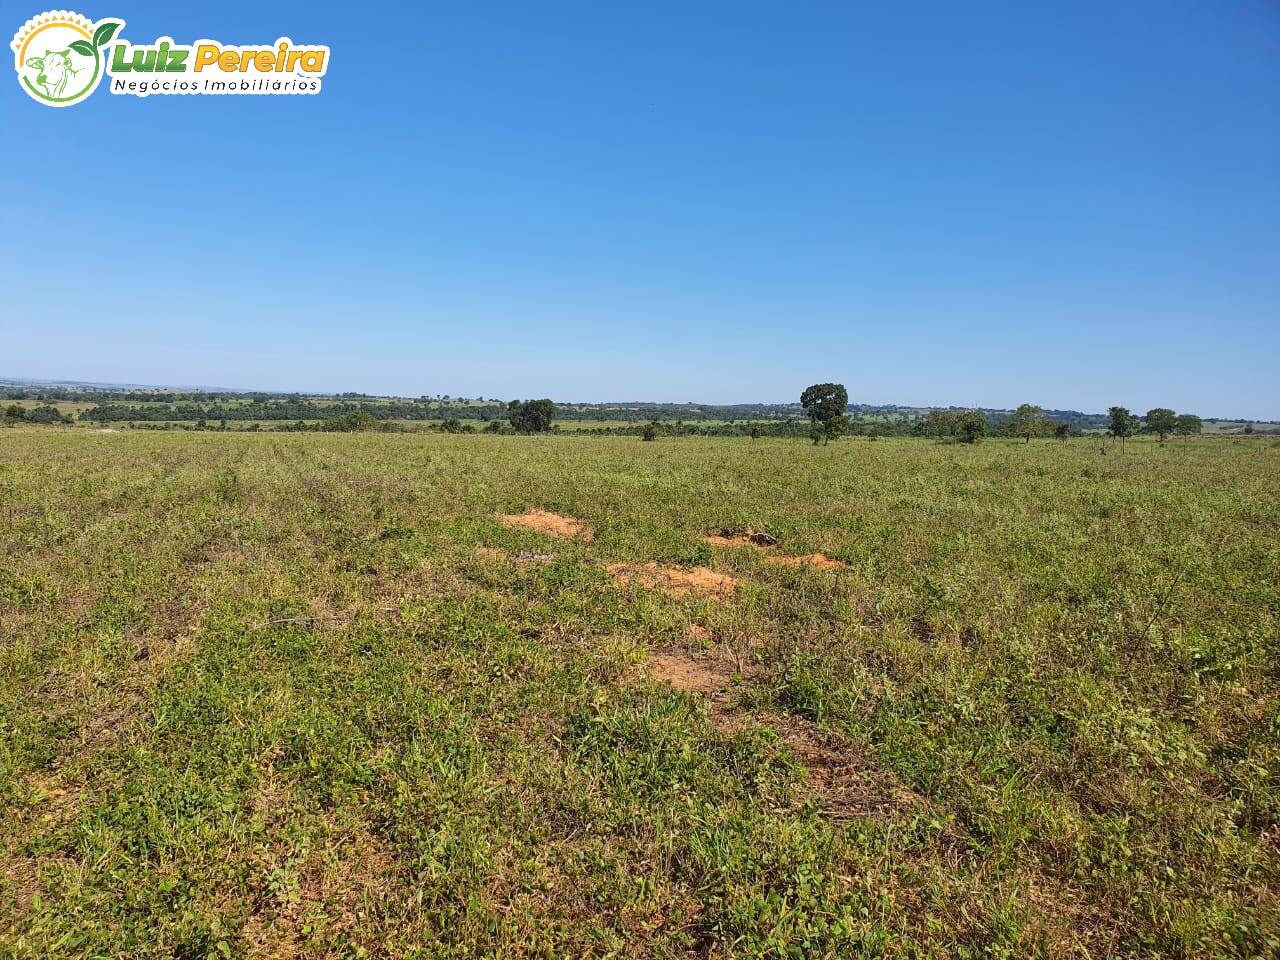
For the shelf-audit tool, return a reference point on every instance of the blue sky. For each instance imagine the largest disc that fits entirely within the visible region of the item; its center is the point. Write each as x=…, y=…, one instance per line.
x=933, y=203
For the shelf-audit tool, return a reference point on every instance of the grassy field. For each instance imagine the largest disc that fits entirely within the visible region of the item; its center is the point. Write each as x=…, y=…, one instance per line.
x=307, y=695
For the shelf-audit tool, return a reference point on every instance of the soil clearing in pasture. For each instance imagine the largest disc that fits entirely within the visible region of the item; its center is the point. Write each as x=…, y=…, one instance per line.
x=819, y=560
x=677, y=581
x=750, y=537
x=551, y=524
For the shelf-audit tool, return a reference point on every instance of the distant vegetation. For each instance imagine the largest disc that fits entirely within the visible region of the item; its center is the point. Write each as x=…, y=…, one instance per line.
x=228, y=410
x=15, y=413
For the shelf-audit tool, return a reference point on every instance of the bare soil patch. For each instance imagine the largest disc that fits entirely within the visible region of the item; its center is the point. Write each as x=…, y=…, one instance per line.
x=676, y=581
x=749, y=537
x=551, y=524
x=819, y=560
x=691, y=674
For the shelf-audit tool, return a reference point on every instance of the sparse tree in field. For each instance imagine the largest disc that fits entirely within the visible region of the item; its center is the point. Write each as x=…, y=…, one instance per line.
x=970, y=426
x=1062, y=432
x=531, y=416
x=826, y=404
x=1248, y=428
x=1187, y=425
x=940, y=423
x=650, y=432
x=1026, y=422
x=755, y=432
x=1161, y=421
x=14, y=412
x=1123, y=424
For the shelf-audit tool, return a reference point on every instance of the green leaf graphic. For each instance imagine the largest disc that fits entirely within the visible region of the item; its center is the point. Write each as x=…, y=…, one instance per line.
x=83, y=47
x=104, y=33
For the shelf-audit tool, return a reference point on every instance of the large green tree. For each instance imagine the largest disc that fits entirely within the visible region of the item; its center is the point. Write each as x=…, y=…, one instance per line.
x=971, y=426
x=531, y=416
x=1026, y=422
x=940, y=423
x=825, y=403
x=1161, y=421
x=1188, y=425
x=1123, y=424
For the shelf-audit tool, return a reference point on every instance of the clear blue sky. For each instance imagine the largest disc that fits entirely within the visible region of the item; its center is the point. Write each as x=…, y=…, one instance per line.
x=935, y=203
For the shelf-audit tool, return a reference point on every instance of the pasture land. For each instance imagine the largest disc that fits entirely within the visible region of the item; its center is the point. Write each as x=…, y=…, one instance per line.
x=312, y=695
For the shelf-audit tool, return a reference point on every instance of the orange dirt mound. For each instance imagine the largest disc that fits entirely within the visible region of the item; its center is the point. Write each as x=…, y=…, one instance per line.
x=820, y=560
x=674, y=580
x=689, y=674
x=750, y=537
x=552, y=524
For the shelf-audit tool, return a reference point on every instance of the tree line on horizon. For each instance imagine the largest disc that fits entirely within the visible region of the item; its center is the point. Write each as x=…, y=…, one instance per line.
x=825, y=404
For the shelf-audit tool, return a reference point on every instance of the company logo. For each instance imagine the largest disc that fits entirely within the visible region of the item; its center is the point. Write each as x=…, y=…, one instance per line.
x=59, y=56
x=62, y=56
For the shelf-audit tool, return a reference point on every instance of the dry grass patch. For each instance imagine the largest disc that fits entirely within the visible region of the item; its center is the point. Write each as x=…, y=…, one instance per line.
x=849, y=785
x=335, y=893
x=524, y=558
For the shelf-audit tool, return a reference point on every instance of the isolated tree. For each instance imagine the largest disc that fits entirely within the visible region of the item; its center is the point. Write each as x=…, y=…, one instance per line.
x=1123, y=424
x=531, y=416
x=941, y=423
x=971, y=426
x=650, y=432
x=1062, y=431
x=1188, y=425
x=1161, y=421
x=1026, y=422
x=755, y=432
x=825, y=403
x=1248, y=428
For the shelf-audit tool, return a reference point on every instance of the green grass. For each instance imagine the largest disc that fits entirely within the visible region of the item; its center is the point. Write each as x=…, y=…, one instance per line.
x=259, y=696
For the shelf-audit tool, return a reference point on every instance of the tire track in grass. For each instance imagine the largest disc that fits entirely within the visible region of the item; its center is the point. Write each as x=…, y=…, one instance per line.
x=846, y=784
